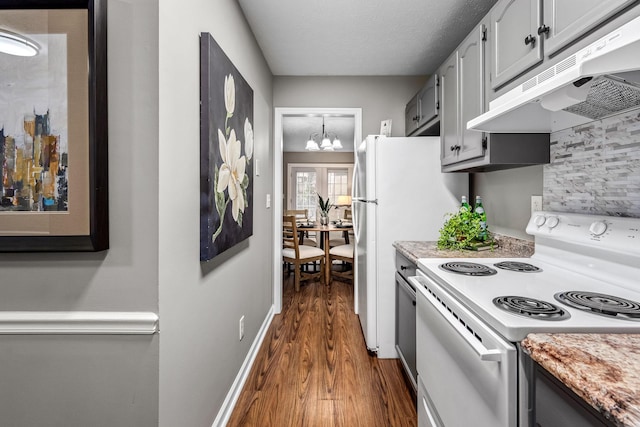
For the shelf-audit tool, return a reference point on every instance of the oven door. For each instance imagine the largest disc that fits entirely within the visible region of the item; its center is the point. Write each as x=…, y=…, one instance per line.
x=468, y=371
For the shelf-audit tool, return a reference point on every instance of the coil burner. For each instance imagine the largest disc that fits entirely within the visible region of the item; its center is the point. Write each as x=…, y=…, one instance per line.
x=521, y=267
x=468, y=268
x=603, y=304
x=531, y=308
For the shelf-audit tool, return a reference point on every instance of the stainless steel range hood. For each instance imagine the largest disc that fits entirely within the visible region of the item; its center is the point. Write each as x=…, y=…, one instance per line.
x=597, y=81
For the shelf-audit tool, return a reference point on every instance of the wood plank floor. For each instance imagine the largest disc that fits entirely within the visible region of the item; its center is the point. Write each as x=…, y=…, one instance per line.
x=313, y=368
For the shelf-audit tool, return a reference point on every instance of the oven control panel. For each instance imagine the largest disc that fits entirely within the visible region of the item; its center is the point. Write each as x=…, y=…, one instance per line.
x=614, y=233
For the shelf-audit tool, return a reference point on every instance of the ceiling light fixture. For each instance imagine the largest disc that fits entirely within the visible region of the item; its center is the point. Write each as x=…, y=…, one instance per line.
x=326, y=144
x=17, y=45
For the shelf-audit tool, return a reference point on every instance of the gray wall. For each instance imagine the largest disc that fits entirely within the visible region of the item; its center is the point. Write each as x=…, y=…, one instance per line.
x=97, y=380
x=380, y=98
x=506, y=197
x=201, y=303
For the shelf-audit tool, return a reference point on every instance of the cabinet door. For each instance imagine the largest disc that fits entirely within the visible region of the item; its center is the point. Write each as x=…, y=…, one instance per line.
x=515, y=42
x=428, y=101
x=471, y=92
x=411, y=116
x=565, y=20
x=449, y=110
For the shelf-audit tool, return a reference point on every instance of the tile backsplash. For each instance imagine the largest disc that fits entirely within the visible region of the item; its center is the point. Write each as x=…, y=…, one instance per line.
x=595, y=168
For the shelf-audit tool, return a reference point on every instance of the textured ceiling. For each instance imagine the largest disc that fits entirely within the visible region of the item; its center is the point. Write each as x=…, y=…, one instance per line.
x=360, y=37
x=297, y=129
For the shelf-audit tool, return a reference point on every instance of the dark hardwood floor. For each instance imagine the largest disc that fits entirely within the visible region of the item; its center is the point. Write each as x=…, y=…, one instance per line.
x=313, y=368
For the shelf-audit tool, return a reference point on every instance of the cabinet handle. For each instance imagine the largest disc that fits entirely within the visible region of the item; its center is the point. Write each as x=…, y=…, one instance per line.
x=403, y=267
x=543, y=29
x=455, y=148
x=416, y=118
x=530, y=40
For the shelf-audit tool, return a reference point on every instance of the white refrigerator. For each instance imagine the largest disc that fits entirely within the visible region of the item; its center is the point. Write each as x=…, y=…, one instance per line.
x=398, y=193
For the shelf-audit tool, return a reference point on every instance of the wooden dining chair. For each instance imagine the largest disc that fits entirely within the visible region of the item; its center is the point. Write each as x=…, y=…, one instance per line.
x=342, y=253
x=298, y=255
x=345, y=234
x=302, y=215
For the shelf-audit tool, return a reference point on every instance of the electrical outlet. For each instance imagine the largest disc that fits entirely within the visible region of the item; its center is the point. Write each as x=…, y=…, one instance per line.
x=536, y=203
x=241, y=329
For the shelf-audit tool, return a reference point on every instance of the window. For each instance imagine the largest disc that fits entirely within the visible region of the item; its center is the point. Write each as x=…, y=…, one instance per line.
x=307, y=180
x=337, y=183
x=305, y=190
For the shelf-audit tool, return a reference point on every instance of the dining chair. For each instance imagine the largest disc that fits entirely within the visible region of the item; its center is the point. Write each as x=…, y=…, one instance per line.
x=302, y=215
x=342, y=253
x=345, y=234
x=298, y=255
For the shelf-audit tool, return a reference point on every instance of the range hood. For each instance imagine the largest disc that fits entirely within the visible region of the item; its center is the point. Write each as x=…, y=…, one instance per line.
x=597, y=81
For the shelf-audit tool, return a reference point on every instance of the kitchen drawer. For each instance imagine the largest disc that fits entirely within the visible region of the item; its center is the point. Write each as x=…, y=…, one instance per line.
x=405, y=267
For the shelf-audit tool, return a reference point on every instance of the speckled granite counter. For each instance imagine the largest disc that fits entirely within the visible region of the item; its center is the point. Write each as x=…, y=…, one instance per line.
x=603, y=369
x=508, y=247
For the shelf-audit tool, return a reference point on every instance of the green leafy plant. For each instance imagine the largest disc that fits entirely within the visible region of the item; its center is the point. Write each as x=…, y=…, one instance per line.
x=460, y=230
x=325, y=206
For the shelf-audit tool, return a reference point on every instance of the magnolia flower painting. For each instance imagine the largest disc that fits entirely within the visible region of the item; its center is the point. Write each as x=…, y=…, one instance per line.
x=226, y=152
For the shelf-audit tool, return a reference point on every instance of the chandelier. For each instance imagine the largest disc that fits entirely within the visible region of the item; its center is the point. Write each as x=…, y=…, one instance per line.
x=325, y=139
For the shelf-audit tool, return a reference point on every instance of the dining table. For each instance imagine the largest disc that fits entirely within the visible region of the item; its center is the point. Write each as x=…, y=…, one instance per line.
x=325, y=231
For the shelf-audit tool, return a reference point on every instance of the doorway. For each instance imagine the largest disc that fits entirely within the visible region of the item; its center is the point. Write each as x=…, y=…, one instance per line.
x=280, y=117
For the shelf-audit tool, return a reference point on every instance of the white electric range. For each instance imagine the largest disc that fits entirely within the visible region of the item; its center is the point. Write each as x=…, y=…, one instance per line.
x=472, y=314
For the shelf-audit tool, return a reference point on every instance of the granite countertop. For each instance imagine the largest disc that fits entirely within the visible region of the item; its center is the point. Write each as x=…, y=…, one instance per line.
x=508, y=247
x=603, y=369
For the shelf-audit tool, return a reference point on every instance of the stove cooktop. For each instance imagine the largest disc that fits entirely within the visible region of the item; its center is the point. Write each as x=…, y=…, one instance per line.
x=534, y=289
x=583, y=276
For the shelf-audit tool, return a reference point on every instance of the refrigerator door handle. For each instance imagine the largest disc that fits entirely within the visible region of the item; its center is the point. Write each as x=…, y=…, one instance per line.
x=354, y=195
x=374, y=201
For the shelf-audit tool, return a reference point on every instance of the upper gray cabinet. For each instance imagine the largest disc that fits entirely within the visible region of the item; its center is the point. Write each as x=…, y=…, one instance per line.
x=428, y=101
x=422, y=112
x=449, y=119
x=463, y=96
x=471, y=94
x=515, y=42
x=462, y=82
x=411, y=116
x=565, y=20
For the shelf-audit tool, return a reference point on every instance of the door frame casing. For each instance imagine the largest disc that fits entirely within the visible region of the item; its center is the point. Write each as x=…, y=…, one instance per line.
x=277, y=202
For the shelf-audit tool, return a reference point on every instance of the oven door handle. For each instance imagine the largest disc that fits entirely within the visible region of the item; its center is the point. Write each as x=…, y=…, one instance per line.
x=485, y=354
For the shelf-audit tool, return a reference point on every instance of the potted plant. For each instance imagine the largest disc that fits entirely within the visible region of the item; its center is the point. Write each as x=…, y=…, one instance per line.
x=325, y=207
x=463, y=230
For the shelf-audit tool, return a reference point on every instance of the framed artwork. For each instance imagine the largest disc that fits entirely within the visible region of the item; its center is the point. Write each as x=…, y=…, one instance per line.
x=53, y=126
x=226, y=152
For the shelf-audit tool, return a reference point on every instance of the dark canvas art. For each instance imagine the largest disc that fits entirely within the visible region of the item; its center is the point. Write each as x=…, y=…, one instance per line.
x=226, y=152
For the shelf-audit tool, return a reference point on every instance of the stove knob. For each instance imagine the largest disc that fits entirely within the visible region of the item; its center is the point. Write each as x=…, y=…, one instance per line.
x=552, y=221
x=598, y=228
x=539, y=220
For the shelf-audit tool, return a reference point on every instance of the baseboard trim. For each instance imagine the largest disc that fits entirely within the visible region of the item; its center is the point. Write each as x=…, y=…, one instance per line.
x=234, y=393
x=77, y=323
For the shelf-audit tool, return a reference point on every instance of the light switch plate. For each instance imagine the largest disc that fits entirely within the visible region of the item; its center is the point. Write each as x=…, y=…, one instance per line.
x=536, y=203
